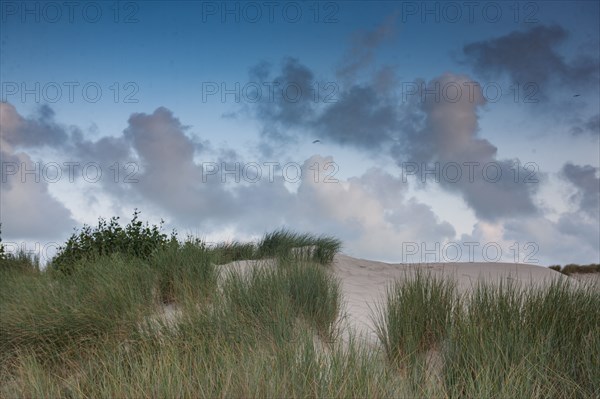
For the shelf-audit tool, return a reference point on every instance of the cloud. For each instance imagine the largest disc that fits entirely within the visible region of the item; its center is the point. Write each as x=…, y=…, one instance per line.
x=585, y=179
x=67, y=145
x=28, y=209
x=362, y=118
x=440, y=130
x=371, y=213
x=591, y=127
x=364, y=44
x=532, y=56
x=168, y=176
x=284, y=101
x=571, y=239
x=37, y=131
x=449, y=136
x=347, y=115
x=425, y=129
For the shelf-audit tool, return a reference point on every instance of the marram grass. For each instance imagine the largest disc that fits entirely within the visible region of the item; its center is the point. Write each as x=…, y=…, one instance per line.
x=272, y=330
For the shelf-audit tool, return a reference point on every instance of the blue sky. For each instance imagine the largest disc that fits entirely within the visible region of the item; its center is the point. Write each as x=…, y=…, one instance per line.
x=532, y=69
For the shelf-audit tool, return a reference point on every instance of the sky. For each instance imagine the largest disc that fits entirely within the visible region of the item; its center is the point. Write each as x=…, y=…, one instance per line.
x=412, y=131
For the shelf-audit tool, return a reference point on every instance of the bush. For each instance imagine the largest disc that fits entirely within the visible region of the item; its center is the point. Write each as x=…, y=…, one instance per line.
x=136, y=239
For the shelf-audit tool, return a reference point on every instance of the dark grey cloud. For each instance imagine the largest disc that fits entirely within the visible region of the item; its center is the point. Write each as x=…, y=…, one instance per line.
x=585, y=179
x=41, y=130
x=360, y=115
x=491, y=199
x=593, y=125
x=362, y=118
x=586, y=230
x=285, y=100
x=533, y=56
x=344, y=111
x=105, y=150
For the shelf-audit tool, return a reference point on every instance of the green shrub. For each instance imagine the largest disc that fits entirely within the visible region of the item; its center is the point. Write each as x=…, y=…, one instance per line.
x=136, y=239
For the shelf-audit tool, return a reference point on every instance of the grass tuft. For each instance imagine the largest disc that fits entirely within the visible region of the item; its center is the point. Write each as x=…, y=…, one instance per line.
x=284, y=243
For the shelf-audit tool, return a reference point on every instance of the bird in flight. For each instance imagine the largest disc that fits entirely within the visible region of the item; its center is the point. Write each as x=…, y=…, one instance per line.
x=576, y=95
x=316, y=141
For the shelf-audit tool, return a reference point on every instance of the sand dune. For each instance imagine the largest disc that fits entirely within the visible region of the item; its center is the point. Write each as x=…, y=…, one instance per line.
x=364, y=282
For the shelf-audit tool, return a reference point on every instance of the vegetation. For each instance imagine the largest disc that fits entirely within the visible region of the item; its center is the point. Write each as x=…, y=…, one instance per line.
x=573, y=268
x=142, y=241
x=169, y=321
x=501, y=340
x=20, y=261
x=136, y=239
x=2, y=253
x=416, y=316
